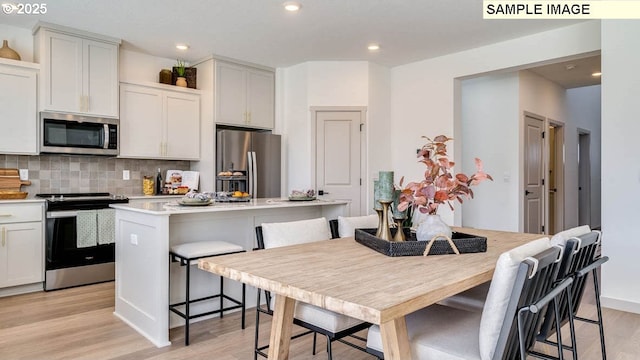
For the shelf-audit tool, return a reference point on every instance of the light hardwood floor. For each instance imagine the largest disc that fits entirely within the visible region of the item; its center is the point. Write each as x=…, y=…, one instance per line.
x=79, y=323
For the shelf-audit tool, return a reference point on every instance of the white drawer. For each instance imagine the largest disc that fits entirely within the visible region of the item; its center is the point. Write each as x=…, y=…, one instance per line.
x=11, y=213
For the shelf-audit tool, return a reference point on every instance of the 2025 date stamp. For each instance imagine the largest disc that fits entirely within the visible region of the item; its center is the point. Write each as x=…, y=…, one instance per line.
x=25, y=9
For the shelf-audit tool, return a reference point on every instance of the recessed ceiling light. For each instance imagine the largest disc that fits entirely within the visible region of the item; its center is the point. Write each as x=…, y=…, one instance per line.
x=182, y=46
x=373, y=47
x=292, y=6
x=596, y=74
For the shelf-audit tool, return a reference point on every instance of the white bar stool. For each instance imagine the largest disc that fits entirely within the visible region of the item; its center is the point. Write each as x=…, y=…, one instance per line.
x=188, y=254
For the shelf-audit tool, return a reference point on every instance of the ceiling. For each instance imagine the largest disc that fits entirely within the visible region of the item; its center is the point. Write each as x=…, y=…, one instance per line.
x=572, y=74
x=262, y=32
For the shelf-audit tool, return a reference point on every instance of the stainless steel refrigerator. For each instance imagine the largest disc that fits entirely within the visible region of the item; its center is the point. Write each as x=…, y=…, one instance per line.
x=252, y=159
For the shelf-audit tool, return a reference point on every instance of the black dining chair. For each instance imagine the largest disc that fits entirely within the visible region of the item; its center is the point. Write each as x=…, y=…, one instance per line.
x=522, y=288
x=581, y=257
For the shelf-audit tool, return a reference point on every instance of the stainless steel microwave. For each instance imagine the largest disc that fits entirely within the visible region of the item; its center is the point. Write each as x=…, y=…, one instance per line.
x=77, y=134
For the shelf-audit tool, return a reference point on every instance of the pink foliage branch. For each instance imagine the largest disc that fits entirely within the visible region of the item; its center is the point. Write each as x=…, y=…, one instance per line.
x=439, y=185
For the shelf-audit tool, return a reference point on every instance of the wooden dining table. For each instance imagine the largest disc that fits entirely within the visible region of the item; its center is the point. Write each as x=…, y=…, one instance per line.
x=347, y=277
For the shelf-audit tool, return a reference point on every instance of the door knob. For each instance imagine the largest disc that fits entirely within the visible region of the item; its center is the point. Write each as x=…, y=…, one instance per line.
x=527, y=192
x=322, y=192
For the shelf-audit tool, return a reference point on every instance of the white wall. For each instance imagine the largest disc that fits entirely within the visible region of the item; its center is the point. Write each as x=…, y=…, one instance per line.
x=207, y=164
x=547, y=99
x=423, y=93
x=584, y=111
x=333, y=83
x=325, y=83
x=139, y=67
x=20, y=40
x=296, y=130
x=378, y=127
x=490, y=131
x=620, y=167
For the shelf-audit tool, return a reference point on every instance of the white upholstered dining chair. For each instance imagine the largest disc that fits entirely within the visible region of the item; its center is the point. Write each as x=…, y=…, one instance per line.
x=345, y=226
x=332, y=325
x=522, y=276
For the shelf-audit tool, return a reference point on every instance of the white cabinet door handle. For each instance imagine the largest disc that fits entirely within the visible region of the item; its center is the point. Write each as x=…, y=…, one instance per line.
x=4, y=235
x=5, y=215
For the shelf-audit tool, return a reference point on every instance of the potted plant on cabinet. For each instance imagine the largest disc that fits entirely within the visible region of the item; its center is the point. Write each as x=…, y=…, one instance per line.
x=180, y=71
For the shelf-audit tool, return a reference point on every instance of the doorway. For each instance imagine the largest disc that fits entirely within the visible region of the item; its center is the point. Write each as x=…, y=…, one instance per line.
x=584, y=177
x=339, y=142
x=555, y=178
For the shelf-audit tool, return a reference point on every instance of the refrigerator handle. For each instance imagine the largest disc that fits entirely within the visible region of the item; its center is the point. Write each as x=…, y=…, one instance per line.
x=254, y=166
x=250, y=178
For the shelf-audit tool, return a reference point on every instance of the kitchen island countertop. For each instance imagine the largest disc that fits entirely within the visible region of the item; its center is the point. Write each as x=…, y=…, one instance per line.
x=172, y=207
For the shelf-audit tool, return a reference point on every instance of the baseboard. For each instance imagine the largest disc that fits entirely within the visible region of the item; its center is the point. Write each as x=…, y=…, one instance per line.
x=619, y=304
x=141, y=332
x=21, y=289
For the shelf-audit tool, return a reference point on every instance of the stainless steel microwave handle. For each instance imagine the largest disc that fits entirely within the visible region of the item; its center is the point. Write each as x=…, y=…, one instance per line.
x=61, y=214
x=106, y=136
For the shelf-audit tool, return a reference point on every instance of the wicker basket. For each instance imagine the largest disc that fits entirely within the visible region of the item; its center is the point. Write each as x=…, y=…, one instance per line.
x=465, y=243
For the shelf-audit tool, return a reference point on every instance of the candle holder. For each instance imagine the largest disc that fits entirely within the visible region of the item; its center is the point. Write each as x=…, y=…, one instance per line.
x=383, y=226
x=399, y=236
x=379, y=212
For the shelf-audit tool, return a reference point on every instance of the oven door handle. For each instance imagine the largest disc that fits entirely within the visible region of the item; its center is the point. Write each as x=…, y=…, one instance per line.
x=61, y=214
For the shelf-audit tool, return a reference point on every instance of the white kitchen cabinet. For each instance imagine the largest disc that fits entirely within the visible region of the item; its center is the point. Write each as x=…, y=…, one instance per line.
x=244, y=96
x=159, y=122
x=21, y=244
x=79, y=71
x=18, y=107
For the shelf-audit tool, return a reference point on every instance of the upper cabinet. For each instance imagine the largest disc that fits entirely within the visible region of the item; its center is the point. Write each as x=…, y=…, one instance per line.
x=244, y=96
x=18, y=108
x=159, y=122
x=79, y=71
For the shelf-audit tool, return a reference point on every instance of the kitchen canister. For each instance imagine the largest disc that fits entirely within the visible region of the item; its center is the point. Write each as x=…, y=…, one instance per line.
x=7, y=52
x=148, y=187
x=165, y=76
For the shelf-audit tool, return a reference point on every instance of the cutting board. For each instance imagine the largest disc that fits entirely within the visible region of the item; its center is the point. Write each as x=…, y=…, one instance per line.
x=10, y=180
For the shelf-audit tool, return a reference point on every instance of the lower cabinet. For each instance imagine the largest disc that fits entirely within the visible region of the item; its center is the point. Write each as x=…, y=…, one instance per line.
x=159, y=123
x=21, y=244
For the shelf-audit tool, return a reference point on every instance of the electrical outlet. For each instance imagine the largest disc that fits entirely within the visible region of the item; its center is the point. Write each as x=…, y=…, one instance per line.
x=134, y=239
x=125, y=174
x=24, y=174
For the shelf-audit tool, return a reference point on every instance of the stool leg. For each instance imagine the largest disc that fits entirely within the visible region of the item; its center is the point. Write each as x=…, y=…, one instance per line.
x=244, y=293
x=186, y=321
x=221, y=296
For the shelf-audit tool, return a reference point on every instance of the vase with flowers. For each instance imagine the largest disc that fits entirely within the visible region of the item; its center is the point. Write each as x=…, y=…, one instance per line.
x=439, y=186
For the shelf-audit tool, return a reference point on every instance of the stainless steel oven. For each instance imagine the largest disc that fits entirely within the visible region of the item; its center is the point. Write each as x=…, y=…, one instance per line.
x=73, y=257
x=76, y=134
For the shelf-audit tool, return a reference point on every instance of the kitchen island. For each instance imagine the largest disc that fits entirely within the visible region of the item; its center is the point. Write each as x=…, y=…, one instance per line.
x=145, y=230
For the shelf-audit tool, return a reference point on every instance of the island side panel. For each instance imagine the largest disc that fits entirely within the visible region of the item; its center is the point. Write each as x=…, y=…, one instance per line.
x=142, y=266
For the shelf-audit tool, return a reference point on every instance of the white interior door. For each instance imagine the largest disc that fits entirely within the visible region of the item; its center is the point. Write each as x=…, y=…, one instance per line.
x=338, y=157
x=533, y=175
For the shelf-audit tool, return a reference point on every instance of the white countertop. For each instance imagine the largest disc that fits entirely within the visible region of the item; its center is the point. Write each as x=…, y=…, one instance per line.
x=172, y=207
x=21, y=201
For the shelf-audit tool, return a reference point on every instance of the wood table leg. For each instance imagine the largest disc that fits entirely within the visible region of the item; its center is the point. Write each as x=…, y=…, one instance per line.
x=281, y=328
x=395, y=341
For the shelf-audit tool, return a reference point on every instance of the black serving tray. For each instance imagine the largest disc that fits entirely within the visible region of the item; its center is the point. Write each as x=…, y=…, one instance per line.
x=465, y=243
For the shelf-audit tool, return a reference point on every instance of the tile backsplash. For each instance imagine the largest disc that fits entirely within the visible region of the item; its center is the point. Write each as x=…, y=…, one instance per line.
x=82, y=173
